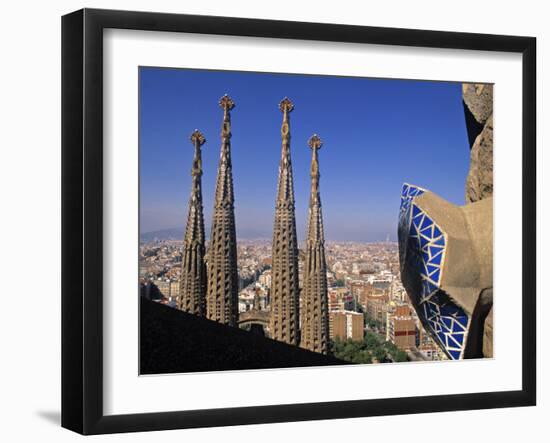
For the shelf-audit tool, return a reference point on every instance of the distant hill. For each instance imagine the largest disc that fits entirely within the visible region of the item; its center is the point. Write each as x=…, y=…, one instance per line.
x=177, y=234
x=242, y=234
x=163, y=234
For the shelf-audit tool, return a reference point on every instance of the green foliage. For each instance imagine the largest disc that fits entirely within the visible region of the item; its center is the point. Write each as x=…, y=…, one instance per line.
x=380, y=354
x=400, y=356
x=372, y=348
x=339, y=283
x=371, y=322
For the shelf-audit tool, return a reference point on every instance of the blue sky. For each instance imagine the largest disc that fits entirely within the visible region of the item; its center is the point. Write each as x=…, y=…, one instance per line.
x=377, y=134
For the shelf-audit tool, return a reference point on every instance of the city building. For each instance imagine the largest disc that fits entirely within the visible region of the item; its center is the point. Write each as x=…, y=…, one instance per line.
x=169, y=289
x=377, y=306
x=265, y=278
x=401, y=328
x=255, y=296
x=430, y=352
x=346, y=325
x=336, y=300
x=427, y=347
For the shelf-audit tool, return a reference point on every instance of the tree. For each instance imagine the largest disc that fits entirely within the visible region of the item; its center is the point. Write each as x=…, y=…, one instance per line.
x=400, y=356
x=380, y=354
x=372, y=347
x=372, y=340
x=362, y=357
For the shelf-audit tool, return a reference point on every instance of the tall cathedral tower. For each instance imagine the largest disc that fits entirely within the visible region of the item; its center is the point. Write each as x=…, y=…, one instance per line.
x=315, y=329
x=223, y=281
x=285, y=291
x=193, y=269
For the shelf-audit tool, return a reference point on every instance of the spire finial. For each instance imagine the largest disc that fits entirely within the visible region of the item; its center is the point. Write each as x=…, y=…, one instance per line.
x=197, y=138
x=315, y=142
x=226, y=103
x=286, y=105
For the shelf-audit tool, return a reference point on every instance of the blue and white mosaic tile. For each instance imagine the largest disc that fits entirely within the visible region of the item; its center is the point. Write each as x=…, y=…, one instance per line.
x=426, y=242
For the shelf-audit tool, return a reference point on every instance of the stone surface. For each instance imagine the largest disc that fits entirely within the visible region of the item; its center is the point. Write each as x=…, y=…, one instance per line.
x=479, y=100
x=488, y=335
x=223, y=282
x=479, y=183
x=284, y=323
x=192, y=296
x=315, y=321
x=478, y=109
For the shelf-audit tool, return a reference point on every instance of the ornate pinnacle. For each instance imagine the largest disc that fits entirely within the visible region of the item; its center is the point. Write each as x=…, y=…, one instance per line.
x=315, y=142
x=197, y=138
x=286, y=105
x=226, y=103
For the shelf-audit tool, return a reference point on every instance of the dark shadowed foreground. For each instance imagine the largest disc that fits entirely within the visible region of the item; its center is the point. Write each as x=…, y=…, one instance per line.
x=174, y=341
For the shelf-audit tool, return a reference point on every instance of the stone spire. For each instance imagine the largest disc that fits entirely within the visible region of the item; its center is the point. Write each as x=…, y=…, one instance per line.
x=285, y=291
x=222, y=293
x=193, y=270
x=315, y=331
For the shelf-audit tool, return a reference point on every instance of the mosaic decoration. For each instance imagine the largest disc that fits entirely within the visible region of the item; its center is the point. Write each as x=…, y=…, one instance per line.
x=425, y=249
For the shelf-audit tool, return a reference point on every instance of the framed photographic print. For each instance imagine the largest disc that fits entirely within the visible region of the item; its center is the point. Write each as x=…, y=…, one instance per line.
x=269, y=221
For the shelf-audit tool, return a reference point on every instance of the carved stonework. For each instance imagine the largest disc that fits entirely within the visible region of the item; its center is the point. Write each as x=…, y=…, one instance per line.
x=193, y=271
x=285, y=291
x=197, y=138
x=315, y=322
x=478, y=109
x=222, y=292
x=286, y=106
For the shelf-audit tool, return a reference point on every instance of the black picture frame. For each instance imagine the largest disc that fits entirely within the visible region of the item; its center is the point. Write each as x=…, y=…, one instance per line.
x=82, y=216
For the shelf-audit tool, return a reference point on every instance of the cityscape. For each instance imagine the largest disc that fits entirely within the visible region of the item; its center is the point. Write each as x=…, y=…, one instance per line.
x=319, y=292
x=344, y=300
x=367, y=303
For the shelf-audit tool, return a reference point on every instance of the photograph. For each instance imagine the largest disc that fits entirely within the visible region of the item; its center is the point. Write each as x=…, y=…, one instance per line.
x=275, y=221
x=298, y=220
